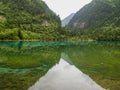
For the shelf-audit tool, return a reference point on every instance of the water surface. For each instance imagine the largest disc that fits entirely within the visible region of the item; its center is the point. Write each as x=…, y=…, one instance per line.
x=64, y=76
x=22, y=64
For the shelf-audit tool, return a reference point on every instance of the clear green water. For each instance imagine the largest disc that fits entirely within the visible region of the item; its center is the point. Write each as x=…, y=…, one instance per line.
x=23, y=63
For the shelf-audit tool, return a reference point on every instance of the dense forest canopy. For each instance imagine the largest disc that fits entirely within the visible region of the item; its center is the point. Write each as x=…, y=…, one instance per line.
x=97, y=13
x=99, y=20
x=27, y=18
x=33, y=20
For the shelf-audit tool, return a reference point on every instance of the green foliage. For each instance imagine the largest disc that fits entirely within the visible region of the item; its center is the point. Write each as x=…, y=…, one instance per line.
x=108, y=34
x=99, y=20
x=96, y=14
x=9, y=34
x=32, y=18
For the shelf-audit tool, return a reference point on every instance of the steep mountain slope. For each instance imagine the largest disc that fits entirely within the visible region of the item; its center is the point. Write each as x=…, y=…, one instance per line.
x=25, y=18
x=67, y=19
x=98, y=13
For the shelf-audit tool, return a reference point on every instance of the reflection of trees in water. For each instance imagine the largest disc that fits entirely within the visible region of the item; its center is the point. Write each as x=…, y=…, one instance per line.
x=66, y=58
x=30, y=56
x=24, y=64
x=99, y=60
x=20, y=44
x=82, y=54
x=67, y=72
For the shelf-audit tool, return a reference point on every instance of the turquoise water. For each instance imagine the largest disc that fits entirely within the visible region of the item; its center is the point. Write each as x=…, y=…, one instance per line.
x=26, y=62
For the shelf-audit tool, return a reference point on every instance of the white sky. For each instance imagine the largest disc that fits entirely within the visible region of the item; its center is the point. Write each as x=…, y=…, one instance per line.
x=63, y=8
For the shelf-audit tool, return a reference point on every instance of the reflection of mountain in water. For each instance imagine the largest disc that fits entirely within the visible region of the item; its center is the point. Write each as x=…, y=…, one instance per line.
x=64, y=76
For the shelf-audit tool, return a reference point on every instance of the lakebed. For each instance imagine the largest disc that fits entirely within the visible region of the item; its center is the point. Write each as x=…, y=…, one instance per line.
x=23, y=63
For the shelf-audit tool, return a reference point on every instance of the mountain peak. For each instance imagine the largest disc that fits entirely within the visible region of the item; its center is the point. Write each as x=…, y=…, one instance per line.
x=67, y=19
x=96, y=14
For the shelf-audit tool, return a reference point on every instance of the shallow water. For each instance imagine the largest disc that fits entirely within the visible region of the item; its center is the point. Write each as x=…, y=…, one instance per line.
x=22, y=64
x=64, y=76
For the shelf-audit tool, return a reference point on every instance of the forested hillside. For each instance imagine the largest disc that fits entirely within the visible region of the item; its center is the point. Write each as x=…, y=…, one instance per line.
x=67, y=19
x=27, y=20
x=33, y=20
x=99, y=20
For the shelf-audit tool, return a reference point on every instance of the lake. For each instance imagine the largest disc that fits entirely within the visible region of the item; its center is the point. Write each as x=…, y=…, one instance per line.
x=59, y=65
